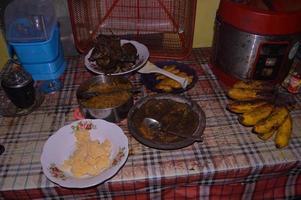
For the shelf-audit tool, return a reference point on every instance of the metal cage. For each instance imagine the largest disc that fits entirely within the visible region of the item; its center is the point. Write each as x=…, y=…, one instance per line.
x=166, y=27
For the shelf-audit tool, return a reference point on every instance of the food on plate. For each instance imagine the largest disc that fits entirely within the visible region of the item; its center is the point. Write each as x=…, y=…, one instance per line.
x=108, y=95
x=174, y=117
x=90, y=156
x=244, y=106
x=254, y=102
x=167, y=84
x=170, y=68
x=284, y=132
x=112, y=57
x=253, y=117
x=272, y=122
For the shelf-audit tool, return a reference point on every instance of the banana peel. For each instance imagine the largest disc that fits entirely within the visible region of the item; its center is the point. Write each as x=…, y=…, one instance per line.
x=284, y=133
x=242, y=94
x=254, y=85
x=272, y=122
x=244, y=106
x=266, y=136
x=259, y=113
x=262, y=105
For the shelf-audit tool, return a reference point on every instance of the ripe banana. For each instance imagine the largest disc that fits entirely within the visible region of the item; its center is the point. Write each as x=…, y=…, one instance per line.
x=259, y=113
x=284, y=133
x=244, y=106
x=266, y=136
x=254, y=85
x=248, y=94
x=272, y=122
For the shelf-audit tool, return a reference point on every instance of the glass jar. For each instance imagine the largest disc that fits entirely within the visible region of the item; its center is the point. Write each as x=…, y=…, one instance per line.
x=18, y=85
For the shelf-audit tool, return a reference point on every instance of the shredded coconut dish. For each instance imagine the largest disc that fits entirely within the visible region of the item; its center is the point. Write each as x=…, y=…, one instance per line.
x=90, y=156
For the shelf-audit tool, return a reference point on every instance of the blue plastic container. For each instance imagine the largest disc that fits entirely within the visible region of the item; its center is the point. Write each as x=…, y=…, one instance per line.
x=29, y=20
x=47, y=70
x=32, y=31
x=38, y=52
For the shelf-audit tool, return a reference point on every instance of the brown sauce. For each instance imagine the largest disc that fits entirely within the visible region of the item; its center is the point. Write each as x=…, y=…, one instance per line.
x=174, y=116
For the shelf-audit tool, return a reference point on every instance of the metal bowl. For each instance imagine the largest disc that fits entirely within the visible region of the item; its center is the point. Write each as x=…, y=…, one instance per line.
x=155, y=110
x=111, y=114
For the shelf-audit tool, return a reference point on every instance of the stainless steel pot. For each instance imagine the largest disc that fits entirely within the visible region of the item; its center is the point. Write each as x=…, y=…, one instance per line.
x=248, y=56
x=111, y=114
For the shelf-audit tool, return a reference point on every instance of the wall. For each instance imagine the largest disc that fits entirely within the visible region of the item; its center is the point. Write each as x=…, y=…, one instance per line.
x=204, y=22
x=3, y=48
x=3, y=51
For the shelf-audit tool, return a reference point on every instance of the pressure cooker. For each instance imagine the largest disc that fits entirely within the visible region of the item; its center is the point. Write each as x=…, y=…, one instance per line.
x=256, y=39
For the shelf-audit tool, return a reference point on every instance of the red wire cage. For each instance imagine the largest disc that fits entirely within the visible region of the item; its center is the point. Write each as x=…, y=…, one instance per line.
x=166, y=27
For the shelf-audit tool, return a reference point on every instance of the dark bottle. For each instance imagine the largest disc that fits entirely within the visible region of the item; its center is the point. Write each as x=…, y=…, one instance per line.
x=19, y=87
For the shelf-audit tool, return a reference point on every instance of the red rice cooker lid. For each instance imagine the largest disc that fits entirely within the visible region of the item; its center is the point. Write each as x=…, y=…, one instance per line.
x=267, y=17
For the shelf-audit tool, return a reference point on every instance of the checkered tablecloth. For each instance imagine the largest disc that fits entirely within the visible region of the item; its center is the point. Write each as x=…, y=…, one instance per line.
x=231, y=162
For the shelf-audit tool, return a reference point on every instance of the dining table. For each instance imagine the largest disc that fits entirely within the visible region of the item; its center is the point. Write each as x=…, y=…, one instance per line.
x=230, y=162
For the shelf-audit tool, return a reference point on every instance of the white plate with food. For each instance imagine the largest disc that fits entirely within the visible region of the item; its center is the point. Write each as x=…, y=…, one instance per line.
x=101, y=60
x=85, y=153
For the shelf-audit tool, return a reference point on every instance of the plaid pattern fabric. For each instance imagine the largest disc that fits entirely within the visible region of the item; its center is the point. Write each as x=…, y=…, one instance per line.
x=231, y=162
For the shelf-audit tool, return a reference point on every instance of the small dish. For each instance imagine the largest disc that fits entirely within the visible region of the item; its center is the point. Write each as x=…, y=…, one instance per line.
x=143, y=55
x=150, y=81
x=61, y=145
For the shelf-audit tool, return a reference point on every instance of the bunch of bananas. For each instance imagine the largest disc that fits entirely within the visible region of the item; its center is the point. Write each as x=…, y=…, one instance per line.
x=252, y=100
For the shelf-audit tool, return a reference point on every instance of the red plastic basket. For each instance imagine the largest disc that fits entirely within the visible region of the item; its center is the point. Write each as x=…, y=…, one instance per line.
x=165, y=26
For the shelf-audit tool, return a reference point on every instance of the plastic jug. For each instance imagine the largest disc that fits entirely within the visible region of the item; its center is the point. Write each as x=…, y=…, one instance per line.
x=29, y=20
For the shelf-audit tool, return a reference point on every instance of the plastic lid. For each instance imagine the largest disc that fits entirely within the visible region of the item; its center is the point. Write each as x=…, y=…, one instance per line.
x=29, y=20
x=16, y=77
x=269, y=17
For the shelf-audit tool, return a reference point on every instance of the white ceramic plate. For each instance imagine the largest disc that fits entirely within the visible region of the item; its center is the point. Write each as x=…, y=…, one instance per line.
x=143, y=55
x=62, y=144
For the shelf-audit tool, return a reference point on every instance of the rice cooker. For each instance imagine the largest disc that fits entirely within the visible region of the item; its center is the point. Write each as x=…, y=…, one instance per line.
x=256, y=39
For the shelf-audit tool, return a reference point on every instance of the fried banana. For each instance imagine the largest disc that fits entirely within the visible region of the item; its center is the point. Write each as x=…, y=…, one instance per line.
x=259, y=113
x=173, y=71
x=244, y=106
x=254, y=85
x=284, y=132
x=169, y=82
x=165, y=88
x=241, y=94
x=170, y=67
x=272, y=122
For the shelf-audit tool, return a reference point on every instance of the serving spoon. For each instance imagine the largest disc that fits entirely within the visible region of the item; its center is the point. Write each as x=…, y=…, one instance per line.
x=151, y=68
x=155, y=125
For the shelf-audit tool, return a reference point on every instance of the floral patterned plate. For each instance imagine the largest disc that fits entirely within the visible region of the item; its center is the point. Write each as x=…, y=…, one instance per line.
x=61, y=145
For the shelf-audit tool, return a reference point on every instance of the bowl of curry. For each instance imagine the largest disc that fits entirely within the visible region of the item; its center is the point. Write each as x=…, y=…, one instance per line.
x=105, y=97
x=176, y=114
